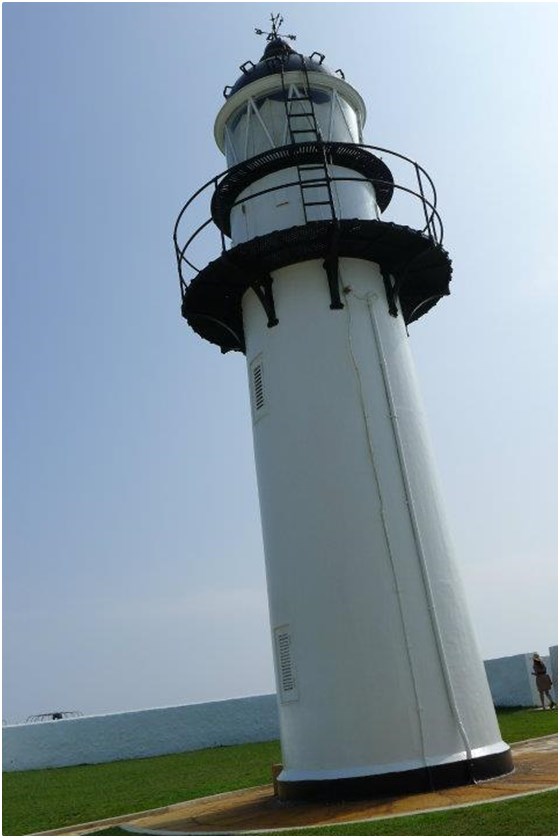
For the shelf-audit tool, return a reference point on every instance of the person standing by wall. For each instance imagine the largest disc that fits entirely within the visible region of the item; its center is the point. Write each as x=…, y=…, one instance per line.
x=544, y=682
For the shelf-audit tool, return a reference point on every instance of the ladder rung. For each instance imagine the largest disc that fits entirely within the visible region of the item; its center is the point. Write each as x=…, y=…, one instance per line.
x=303, y=131
x=300, y=115
x=298, y=99
x=314, y=184
x=318, y=203
x=310, y=167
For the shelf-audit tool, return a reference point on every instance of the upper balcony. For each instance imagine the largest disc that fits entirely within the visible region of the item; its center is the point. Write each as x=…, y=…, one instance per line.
x=227, y=239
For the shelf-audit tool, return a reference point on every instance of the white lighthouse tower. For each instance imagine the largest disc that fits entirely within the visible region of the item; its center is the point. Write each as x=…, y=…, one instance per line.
x=380, y=684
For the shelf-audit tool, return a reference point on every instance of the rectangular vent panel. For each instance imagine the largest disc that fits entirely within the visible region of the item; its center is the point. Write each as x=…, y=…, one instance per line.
x=258, y=386
x=287, y=683
x=258, y=392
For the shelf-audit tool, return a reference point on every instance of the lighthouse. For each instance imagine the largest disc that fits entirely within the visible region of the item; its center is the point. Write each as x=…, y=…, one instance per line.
x=327, y=250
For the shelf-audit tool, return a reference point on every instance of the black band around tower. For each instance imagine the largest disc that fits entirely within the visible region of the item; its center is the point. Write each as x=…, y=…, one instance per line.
x=418, y=780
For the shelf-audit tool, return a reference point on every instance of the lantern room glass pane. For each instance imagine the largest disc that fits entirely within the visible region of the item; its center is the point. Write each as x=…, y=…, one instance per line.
x=272, y=111
x=345, y=127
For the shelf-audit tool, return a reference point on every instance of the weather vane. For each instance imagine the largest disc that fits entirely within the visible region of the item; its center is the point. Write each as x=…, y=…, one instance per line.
x=277, y=21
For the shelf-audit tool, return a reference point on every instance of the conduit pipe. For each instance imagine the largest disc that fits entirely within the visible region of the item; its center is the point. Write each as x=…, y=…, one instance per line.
x=415, y=528
x=372, y=456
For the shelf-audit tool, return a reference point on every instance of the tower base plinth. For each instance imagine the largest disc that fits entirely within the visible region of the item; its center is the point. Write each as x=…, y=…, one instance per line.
x=447, y=775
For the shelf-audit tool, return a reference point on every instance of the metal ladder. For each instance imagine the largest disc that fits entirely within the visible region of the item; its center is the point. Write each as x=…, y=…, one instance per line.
x=320, y=180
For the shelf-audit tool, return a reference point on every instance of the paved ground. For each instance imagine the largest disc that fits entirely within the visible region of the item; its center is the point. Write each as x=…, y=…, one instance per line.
x=258, y=810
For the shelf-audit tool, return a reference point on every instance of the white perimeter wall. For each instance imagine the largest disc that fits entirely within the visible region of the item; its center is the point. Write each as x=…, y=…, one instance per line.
x=511, y=681
x=145, y=733
x=170, y=730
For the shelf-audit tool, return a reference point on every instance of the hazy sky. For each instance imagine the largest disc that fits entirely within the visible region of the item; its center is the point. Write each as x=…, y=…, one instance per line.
x=133, y=564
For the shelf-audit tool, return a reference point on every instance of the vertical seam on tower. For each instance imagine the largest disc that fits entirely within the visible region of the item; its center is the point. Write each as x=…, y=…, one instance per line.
x=416, y=530
x=386, y=537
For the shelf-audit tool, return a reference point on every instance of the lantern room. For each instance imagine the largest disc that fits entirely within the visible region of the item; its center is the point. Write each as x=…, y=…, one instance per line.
x=285, y=99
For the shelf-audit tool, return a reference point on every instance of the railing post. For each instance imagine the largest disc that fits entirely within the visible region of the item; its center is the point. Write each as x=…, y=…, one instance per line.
x=222, y=237
x=428, y=227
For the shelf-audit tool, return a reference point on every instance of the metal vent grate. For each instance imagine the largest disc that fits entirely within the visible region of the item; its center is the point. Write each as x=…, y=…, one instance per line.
x=258, y=386
x=258, y=392
x=286, y=672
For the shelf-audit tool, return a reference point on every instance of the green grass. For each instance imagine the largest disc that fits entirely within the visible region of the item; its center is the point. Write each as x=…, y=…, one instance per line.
x=518, y=723
x=46, y=799
x=40, y=800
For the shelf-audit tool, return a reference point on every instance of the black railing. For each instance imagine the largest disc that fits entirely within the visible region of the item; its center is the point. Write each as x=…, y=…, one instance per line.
x=420, y=185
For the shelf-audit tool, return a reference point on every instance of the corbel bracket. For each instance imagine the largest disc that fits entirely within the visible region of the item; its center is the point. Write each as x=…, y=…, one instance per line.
x=263, y=289
x=390, y=291
x=260, y=282
x=331, y=268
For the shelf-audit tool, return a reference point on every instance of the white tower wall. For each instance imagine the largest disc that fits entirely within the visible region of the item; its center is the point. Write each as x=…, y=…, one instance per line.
x=382, y=672
x=255, y=214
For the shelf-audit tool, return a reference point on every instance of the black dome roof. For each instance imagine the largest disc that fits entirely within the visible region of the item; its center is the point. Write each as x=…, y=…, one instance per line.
x=277, y=53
